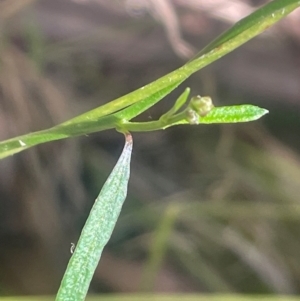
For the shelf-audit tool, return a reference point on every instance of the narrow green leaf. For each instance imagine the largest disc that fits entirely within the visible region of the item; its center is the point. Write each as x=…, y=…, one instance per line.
x=129, y=106
x=260, y=19
x=61, y=131
x=231, y=114
x=242, y=31
x=179, y=103
x=97, y=230
x=147, y=96
x=139, y=107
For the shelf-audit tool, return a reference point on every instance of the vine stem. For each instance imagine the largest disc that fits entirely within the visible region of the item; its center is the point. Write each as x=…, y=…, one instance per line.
x=155, y=125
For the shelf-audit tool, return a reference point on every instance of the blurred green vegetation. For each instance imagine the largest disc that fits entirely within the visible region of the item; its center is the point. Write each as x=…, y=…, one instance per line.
x=165, y=298
x=210, y=209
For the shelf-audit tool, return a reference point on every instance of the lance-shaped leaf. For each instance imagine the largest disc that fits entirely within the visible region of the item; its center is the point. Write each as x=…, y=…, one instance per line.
x=97, y=230
x=233, y=114
x=228, y=114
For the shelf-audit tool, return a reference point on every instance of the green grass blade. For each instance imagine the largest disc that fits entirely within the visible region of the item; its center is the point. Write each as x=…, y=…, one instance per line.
x=159, y=247
x=97, y=230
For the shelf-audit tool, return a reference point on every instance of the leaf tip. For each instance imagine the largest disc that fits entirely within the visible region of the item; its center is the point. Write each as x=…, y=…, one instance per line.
x=260, y=112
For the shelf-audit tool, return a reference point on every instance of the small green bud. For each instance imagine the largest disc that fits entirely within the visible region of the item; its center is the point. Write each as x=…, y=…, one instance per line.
x=192, y=117
x=202, y=105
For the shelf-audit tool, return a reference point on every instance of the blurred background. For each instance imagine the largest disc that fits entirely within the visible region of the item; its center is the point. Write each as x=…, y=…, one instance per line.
x=211, y=208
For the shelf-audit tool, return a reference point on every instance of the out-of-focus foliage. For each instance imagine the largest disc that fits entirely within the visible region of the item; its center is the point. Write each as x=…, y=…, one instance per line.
x=148, y=297
x=210, y=209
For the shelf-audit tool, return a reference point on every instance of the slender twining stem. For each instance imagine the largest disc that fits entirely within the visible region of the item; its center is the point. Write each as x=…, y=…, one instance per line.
x=200, y=110
x=166, y=120
x=154, y=125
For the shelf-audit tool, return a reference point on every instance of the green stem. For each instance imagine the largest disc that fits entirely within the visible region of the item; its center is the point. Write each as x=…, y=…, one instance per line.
x=154, y=125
